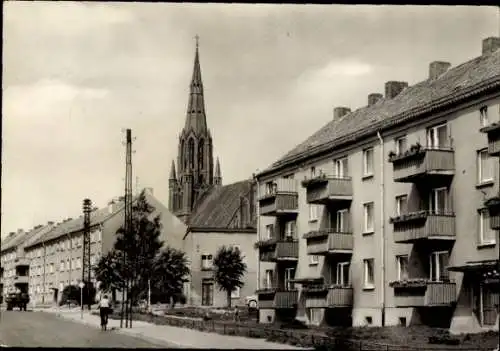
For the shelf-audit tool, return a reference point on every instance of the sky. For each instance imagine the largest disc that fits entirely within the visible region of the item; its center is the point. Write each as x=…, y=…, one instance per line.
x=76, y=74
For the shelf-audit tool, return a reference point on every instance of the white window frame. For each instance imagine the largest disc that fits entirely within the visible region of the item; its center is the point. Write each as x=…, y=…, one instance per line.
x=398, y=145
x=290, y=229
x=268, y=278
x=483, y=116
x=341, y=221
x=399, y=260
x=366, y=227
x=313, y=212
x=313, y=172
x=340, y=167
x=339, y=274
x=207, y=261
x=62, y=266
x=488, y=162
x=366, y=159
x=315, y=315
x=399, y=206
x=271, y=187
x=368, y=264
x=433, y=141
x=434, y=260
x=268, y=231
x=485, y=228
x=235, y=294
x=433, y=200
x=289, y=275
x=313, y=260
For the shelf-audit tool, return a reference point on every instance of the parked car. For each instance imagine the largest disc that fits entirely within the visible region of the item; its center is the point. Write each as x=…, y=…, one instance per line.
x=251, y=301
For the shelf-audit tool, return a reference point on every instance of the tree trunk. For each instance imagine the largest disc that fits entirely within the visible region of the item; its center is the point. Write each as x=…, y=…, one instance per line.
x=228, y=299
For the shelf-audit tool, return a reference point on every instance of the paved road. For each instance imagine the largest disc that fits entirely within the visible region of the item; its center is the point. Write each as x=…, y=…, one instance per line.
x=32, y=329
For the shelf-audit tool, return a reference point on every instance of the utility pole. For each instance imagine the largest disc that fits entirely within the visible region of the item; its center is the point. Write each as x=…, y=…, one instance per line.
x=87, y=208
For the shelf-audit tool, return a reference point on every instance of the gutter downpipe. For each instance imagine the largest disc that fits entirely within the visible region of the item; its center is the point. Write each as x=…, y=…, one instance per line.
x=382, y=222
x=258, y=228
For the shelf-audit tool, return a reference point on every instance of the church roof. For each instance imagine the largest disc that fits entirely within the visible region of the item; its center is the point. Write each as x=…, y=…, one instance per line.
x=458, y=83
x=219, y=208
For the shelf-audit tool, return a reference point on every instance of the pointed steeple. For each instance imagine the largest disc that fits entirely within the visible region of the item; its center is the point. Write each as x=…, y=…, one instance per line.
x=217, y=176
x=172, y=171
x=196, y=118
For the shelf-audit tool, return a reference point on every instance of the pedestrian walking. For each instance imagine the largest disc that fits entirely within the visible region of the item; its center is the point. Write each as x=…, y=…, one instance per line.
x=104, y=310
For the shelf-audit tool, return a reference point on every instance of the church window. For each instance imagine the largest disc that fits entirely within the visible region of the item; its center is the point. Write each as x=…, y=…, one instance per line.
x=191, y=153
x=201, y=155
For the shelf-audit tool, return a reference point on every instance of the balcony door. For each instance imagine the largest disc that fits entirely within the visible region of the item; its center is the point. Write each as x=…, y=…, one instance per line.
x=438, y=266
x=268, y=279
x=437, y=137
x=341, y=169
x=342, y=274
x=290, y=230
x=438, y=201
x=289, y=276
x=207, y=293
x=342, y=220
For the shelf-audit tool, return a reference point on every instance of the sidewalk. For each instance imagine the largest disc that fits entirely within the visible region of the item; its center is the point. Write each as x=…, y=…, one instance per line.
x=178, y=337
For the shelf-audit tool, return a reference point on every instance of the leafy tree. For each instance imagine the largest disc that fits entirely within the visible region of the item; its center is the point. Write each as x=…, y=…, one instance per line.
x=229, y=270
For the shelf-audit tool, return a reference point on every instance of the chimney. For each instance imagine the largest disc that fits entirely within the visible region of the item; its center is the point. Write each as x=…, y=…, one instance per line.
x=437, y=68
x=50, y=223
x=393, y=88
x=111, y=206
x=340, y=111
x=374, y=98
x=490, y=45
x=20, y=231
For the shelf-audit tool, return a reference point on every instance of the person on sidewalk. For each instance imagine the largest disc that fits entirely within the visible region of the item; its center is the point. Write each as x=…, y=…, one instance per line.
x=104, y=310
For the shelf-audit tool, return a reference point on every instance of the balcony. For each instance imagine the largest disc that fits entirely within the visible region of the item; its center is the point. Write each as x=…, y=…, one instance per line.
x=328, y=241
x=281, y=250
x=422, y=164
x=493, y=132
x=324, y=189
x=21, y=262
x=21, y=279
x=280, y=200
x=277, y=298
x=493, y=206
x=420, y=225
x=424, y=293
x=339, y=296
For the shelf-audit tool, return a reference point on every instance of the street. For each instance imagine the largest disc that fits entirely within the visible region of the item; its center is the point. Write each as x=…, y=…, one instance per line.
x=38, y=329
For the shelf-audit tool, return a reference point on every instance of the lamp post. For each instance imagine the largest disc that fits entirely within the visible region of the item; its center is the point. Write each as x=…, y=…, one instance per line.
x=81, y=285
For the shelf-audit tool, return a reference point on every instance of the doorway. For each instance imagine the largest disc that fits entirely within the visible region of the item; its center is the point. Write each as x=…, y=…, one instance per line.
x=207, y=293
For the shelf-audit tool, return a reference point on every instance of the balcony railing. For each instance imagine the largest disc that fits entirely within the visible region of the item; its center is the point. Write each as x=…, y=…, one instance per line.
x=282, y=250
x=493, y=206
x=22, y=262
x=424, y=293
x=21, y=279
x=493, y=132
x=277, y=298
x=281, y=199
x=419, y=225
x=419, y=163
x=339, y=296
x=325, y=189
x=329, y=241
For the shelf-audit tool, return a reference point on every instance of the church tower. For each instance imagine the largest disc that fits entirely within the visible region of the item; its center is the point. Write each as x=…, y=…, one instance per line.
x=195, y=162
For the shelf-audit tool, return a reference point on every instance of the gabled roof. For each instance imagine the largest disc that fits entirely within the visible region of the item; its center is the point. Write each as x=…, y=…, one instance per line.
x=461, y=82
x=24, y=237
x=219, y=207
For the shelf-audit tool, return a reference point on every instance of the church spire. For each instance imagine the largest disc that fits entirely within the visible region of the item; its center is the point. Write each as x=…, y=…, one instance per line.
x=217, y=176
x=172, y=171
x=195, y=118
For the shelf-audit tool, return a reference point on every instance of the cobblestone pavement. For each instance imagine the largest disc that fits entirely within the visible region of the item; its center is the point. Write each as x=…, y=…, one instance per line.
x=38, y=329
x=178, y=337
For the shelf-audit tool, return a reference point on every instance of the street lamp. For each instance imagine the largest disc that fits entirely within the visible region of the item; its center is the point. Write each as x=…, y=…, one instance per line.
x=81, y=285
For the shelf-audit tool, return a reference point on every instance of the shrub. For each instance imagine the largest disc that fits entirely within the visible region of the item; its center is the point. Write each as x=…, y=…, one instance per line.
x=444, y=340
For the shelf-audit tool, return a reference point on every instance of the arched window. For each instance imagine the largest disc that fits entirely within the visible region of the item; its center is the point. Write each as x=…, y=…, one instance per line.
x=191, y=153
x=182, y=155
x=201, y=155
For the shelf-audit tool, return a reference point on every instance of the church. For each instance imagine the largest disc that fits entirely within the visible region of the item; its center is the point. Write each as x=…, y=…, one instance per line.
x=215, y=214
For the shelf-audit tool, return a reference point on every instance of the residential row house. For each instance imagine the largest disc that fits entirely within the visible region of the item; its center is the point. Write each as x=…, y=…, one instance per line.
x=382, y=217
x=54, y=258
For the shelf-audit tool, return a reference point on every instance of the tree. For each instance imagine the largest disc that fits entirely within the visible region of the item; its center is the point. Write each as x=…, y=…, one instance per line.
x=170, y=273
x=229, y=270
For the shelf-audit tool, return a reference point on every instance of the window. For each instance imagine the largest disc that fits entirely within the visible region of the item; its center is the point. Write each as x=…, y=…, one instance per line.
x=78, y=263
x=61, y=266
x=439, y=266
x=401, y=205
x=402, y=262
x=437, y=137
x=268, y=279
x=313, y=260
x=342, y=274
x=485, y=167
x=290, y=230
x=341, y=168
x=288, y=176
x=313, y=212
x=313, y=172
x=99, y=235
x=315, y=316
x=68, y=263
x=271, y=188
x=368, y=162
x=438, y=201
x=92, y=260
x=207, y=293
x=368, y=275
x=400, y=145
x=342, y=220
x=235, y=294
x=483, y=116
x=206, y=261
x=486, y=234
x=269, y=231
x=368, y=218
x=51, y=268
x=289, y=276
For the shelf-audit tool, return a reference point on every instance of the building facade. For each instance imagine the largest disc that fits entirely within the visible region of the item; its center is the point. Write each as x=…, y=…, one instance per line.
x=379, y=218
x=224, y=217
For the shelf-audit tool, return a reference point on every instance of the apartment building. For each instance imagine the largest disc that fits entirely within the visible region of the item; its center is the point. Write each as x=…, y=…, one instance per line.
x=224, y=217
x=14, y=263
x=379, y=218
